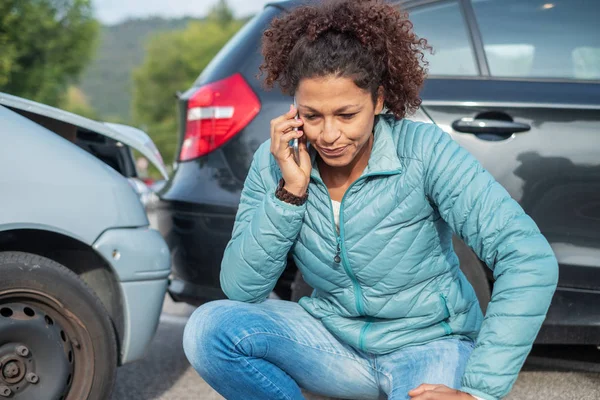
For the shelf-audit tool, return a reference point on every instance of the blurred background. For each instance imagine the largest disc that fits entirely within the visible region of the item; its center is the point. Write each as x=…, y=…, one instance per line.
x=115, y=60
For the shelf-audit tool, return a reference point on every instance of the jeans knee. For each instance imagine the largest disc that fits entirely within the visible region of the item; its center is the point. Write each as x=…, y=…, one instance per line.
x=202, y=332
x=213, y=330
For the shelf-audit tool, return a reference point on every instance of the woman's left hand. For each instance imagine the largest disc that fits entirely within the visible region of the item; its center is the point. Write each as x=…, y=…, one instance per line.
x=438, y=392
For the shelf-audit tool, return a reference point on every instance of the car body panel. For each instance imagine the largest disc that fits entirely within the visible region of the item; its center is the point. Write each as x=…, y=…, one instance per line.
x=552, y=170
x=128, y=135
x=143, y=302
x=136, y=254
x=141, y=259
x=51, y=184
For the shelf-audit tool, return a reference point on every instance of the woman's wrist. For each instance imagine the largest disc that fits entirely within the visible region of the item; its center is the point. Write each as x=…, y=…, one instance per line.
x=299, y=192
x=290, y=194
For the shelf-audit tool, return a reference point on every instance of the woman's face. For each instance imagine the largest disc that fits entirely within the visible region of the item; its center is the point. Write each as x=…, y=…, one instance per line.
x=338, y=117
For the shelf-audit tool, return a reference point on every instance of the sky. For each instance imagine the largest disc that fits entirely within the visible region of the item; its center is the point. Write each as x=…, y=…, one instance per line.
x=114, y=11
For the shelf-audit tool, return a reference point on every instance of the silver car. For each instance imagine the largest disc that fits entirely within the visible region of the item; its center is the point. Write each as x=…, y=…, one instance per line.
x=82, y=276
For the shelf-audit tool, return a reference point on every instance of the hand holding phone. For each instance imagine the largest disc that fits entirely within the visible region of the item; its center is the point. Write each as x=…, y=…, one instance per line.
x=289, y=147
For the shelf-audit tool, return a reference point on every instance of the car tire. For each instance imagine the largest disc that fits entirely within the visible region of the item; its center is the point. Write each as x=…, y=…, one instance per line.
x=56, y=338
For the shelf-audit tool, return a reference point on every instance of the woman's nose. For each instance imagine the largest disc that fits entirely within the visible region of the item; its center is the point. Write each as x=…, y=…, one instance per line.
x=330, y=134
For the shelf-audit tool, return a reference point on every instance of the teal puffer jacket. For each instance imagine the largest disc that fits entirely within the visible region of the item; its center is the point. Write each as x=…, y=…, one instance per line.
x=398, y=282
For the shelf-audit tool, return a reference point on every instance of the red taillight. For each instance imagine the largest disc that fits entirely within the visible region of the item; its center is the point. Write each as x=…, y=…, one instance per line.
x=216, y=113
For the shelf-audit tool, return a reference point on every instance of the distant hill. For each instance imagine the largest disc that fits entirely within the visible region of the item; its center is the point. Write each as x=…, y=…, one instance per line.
x=107, y=80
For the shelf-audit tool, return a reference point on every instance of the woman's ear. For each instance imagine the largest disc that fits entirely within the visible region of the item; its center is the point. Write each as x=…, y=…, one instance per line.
x=380, y=101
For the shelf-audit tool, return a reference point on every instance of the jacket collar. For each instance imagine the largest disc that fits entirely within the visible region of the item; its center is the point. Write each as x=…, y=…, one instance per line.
x=384, y=154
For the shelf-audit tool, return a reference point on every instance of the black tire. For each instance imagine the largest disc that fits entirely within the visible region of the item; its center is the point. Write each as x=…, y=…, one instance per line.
x=38, y=294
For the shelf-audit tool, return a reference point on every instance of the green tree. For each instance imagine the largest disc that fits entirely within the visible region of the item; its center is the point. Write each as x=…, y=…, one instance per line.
x=107, y=81
x=44, y=45
x=173, y=61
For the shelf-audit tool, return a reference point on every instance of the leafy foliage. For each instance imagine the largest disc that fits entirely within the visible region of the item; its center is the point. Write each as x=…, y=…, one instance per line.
x=44, y=46
x=107, y=81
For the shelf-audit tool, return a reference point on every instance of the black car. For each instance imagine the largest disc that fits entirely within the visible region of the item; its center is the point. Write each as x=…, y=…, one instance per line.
x=515, y=82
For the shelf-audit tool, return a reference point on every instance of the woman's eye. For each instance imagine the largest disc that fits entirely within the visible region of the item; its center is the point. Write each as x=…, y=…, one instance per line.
x=309, y=117
x=347, y=116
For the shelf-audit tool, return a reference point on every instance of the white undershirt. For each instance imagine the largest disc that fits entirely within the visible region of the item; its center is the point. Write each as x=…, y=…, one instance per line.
x=336, y=213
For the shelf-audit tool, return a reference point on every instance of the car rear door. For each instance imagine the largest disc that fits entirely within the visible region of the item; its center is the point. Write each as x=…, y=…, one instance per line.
x=517, y=83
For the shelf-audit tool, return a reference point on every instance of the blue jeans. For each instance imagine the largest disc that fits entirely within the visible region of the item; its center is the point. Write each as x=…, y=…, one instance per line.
x=272, y=349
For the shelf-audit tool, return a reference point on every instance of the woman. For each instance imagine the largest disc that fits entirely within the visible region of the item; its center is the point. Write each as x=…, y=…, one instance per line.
x=368, y=216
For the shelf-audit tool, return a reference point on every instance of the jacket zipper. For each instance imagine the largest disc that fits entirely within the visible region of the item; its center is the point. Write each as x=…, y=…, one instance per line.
x=341, y=250
x=363, y=334
x=358, y=294
x=339, y=255
x=345, y=262
x=338, y=250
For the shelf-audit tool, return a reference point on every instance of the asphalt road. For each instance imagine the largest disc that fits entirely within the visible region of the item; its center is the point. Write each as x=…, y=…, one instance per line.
x=164, y=374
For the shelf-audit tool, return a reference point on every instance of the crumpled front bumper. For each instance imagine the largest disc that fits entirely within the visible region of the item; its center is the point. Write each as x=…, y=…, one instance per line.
x=141, y=261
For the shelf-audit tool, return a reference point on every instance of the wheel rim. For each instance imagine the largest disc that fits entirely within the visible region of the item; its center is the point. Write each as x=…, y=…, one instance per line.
x=45, y=350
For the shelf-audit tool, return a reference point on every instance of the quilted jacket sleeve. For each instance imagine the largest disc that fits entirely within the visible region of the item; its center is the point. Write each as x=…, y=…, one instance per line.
x=264, y=230
x=525, y=269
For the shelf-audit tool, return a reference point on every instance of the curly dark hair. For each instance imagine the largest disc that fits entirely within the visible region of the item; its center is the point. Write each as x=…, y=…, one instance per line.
x=368, y=41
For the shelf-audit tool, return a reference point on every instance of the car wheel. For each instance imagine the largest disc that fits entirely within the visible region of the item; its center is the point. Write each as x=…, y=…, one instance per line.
x=56, y=339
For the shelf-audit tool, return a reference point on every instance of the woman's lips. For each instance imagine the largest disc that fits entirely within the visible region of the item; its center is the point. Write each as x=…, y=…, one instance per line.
x=334, y=152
